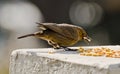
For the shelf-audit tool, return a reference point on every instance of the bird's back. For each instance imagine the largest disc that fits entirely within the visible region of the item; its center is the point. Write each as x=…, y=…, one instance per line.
x=63, y=34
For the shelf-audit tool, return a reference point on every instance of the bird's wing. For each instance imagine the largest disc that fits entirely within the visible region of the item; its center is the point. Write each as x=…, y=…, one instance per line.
x=62, y=29
x=51, y=26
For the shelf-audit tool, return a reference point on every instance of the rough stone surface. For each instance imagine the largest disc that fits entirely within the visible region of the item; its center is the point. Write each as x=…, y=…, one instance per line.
x=39, y=61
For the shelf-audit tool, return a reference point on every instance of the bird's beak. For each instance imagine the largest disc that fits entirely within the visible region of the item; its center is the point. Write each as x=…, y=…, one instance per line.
x=87, y=39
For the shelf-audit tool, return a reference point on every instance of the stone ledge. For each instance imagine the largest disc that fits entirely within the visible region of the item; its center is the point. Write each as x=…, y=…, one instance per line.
x=39, y=61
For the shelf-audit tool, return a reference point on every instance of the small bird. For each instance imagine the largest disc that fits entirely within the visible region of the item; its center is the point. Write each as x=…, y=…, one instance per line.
x=60, y=35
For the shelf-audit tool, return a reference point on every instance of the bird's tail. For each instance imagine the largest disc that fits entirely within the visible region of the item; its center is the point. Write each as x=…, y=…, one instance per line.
x=28, y=35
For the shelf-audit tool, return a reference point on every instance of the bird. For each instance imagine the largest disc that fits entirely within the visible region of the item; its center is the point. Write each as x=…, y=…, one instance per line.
x=60, y=35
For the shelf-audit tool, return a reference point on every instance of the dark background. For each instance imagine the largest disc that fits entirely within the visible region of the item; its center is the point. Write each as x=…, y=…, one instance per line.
x=58, y=11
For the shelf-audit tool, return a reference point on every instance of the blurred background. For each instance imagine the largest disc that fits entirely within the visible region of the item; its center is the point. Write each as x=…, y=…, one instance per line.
x=100, y=18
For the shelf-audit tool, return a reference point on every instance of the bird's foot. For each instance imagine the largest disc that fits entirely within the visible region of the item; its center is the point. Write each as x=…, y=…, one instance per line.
x=68, y=49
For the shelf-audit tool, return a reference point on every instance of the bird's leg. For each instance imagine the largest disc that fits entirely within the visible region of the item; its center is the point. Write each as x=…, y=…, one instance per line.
x=55, y=45
x=68, y=49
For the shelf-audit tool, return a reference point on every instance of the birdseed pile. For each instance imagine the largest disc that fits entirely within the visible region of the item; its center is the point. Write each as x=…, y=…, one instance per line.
x=107, y=52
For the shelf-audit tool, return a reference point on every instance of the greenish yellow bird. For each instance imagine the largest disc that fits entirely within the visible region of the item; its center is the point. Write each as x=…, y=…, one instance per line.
x=60, y=35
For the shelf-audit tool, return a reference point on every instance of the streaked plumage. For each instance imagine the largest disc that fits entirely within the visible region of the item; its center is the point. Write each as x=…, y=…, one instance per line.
x=59, y=35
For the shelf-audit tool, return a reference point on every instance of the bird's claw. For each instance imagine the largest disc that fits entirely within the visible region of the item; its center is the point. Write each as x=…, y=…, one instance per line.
x=68, y=49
